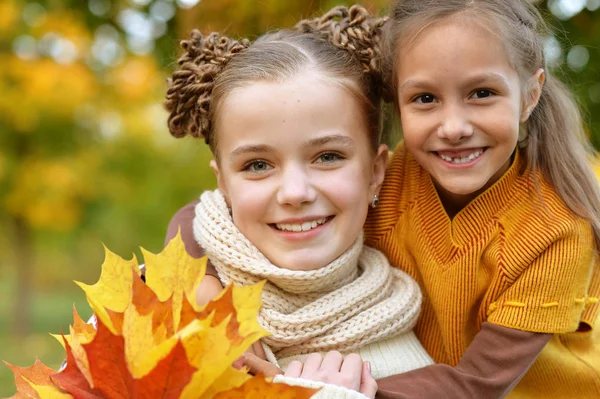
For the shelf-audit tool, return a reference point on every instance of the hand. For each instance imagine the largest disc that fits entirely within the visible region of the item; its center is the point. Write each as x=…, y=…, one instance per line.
x=253, y=358
x=256, y=365
x=349, y=372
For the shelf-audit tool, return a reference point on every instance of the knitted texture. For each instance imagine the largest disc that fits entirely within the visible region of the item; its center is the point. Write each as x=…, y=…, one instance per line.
x=515, y=256
x=355, y=300
x=391, y=356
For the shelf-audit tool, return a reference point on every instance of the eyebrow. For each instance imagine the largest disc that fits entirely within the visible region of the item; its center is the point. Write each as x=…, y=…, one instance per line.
x=263, y=148
x=470, y=82
x=333, y=138
x=252, y=148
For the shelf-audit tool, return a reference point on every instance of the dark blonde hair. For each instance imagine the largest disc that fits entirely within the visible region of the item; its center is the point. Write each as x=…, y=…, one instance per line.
x=343, y=45
x=555, y=142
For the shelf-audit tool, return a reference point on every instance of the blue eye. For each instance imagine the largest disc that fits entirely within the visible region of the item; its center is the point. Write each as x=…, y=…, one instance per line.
x=257, y=166
x=329, y=157
x=482, y=93
x=426, y=98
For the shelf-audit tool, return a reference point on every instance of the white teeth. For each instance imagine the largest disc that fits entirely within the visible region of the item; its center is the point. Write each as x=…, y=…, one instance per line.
x=459, y=160
x=306, y=226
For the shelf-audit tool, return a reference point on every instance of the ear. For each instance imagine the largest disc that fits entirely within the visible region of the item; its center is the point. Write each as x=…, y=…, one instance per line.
x=536, y=83
x=220, y=181
x=379, y=165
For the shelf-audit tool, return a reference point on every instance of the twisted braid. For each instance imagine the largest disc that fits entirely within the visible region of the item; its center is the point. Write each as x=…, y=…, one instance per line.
x=189, y=92
x=352, y=29
x=206, y=75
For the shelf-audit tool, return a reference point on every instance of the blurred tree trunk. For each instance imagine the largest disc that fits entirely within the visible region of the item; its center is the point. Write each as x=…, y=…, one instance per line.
x=23, y=262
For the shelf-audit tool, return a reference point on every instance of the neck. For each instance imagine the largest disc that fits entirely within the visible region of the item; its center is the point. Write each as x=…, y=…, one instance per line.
x=454, y=203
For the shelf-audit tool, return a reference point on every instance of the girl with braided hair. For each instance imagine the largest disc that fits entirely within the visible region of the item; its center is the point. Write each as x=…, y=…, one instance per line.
x=490, y=204
x=293, y=122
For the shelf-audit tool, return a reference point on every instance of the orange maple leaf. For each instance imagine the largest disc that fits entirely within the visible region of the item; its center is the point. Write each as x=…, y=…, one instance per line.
x=72, y=380
x=153, y=340
x=111, y=375
x=260, y=387
x=27, y=379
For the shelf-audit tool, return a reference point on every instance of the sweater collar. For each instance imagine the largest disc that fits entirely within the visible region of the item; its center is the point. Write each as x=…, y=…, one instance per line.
x=468, y=223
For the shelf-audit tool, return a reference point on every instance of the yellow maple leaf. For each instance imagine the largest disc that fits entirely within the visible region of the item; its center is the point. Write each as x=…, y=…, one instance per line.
x=152, y=340
x=179, y=279
x=113, y=289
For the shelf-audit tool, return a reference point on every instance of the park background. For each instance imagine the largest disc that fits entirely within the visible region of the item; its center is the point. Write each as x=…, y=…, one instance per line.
x=85, y=155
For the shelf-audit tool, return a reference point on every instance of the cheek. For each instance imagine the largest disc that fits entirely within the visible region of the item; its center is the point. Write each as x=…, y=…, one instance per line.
x=249, y=203
x=349, y=189
x=413, y=128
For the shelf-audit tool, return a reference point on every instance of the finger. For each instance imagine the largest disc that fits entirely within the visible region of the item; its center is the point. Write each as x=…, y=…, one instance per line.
x=294, y=369
x=368, y=385
x=239, y=362
x=351, y=371
x=260, y=366
x=258, y=350
x=311, y=367
x=332, y=361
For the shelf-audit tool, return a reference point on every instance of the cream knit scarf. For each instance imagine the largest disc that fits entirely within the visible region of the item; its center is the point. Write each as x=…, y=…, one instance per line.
x=353, y=301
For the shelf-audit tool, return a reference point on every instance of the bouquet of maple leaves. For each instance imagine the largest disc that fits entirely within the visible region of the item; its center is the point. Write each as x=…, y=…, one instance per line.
x=152, y=340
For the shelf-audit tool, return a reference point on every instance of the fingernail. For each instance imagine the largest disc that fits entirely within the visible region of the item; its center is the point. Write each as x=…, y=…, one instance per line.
x=368, y=364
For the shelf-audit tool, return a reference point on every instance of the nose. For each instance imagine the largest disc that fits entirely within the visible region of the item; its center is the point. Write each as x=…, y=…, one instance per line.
x=455, y=126
x=296, y=188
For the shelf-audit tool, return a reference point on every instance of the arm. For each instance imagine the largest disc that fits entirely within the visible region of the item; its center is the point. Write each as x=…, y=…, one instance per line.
x=182, y=221
x=492, y=365
x=537, y=300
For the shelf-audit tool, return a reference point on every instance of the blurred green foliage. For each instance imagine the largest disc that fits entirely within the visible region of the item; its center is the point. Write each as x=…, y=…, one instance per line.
x=85, y=156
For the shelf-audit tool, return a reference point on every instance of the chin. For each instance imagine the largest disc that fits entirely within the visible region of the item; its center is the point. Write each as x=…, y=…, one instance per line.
x=463, y=189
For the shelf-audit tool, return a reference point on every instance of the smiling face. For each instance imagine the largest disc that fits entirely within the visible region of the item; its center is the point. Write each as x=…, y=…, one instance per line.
x=460, y=105
x=297, y=168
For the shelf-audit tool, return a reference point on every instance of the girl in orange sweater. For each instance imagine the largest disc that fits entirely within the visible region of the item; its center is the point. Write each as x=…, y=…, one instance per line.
x=490, y=205
x=490, y=202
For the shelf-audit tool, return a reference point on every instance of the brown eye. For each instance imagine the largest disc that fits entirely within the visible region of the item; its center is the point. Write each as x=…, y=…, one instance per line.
x=482, y=93
x=425, y=98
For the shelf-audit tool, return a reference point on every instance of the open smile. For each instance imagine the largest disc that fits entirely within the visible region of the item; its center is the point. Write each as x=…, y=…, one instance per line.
x=301, y=227
x=461, y=157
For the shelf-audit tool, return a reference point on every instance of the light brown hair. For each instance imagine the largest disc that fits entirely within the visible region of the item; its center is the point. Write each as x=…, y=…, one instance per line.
x=342, y=45
x=554, y=139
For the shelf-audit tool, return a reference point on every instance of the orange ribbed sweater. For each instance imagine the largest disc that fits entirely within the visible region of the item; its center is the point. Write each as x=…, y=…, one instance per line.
x=513, y=257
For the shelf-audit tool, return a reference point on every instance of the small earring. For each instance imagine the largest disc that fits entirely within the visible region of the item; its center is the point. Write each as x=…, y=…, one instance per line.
x=375, y=201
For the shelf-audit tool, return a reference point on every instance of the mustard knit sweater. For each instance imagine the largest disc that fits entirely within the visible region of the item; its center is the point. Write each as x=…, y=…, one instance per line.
x=512, y=257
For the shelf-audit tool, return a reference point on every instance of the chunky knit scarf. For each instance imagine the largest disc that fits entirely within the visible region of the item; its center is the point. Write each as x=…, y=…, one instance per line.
x=353, y=301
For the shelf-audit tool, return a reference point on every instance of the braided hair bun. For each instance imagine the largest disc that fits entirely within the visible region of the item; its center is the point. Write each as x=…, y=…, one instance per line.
x=189, y=92
x=344, y=43
x=352, y=29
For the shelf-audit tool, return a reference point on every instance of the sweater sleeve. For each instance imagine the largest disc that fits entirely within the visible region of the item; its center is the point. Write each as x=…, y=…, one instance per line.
x=492, y=365
x=590, y=314
x=183, y=221
x=550, y=293
x=326, y=391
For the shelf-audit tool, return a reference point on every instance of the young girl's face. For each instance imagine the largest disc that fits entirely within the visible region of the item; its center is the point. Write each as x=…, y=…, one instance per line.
x=297, y=168
x=460, y=105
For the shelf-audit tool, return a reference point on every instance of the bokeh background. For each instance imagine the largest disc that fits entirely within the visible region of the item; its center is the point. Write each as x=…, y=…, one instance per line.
x=85, y=156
